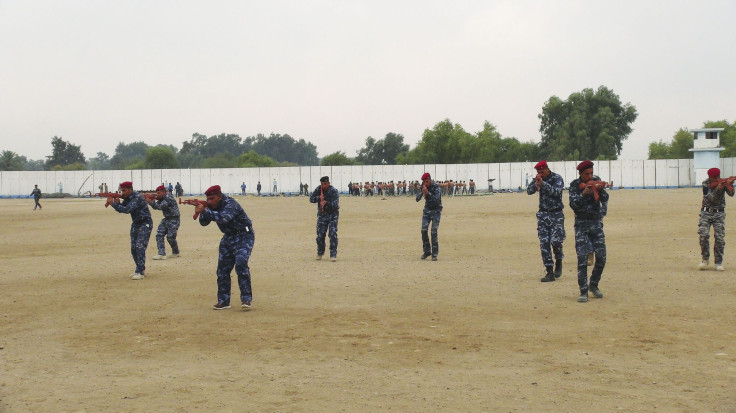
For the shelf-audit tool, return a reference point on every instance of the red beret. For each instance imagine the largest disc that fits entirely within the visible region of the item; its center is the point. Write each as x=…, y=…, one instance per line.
x=425, y=176
x=160, y=188
x=126, y=184
x=714, y=172
x=213, y=190
x=585, y=165
x=540, y=165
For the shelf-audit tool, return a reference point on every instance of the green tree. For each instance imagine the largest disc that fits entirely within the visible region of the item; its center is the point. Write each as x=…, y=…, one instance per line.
x=336, y=159
x=63, y=153
x=251, y=159
x=442, y=144
x=11, y=161
x=384, y=151
x=283, y=148
x=77, y=166
x=129, y=156
x=220, y=160
x=659, y=150
x=100, y=162
x=588, y=125
x=160, y=157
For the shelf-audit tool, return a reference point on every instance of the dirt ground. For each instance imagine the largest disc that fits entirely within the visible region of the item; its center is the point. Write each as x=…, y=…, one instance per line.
x=378, y=330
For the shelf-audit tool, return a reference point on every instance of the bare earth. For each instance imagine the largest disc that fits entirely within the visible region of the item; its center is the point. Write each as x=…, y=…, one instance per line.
x=379, y=330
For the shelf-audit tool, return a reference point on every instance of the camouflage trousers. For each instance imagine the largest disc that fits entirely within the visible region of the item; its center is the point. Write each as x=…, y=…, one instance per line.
x=234, y=252
x=168, y=227
x=433, y=216
x=140, y=234
x=327, y=224
x=587, y=233
x=718, y=221
x=551, y=233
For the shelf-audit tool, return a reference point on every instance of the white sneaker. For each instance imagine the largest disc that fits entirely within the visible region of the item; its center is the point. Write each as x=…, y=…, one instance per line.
x=703, y=265
x=333, y=259
x=137, y=276
x=319, y=257
x=173, y=255
x=719, y=267
x=159, y=257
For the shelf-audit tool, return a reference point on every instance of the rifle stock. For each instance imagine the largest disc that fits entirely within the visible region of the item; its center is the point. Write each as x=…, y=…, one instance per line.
x=728, y=182
x=194, y=202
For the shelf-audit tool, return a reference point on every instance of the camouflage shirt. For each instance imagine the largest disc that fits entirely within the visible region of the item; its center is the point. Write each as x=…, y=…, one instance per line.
x=167, y=205
x=331, y=196
x=229, y=217
x=586, y=207
x=713, y=198
x=550, y=192
x=136, y=206
x=433, y=201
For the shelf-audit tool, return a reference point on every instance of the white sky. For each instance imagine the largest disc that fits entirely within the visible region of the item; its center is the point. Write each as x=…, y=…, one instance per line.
x=98, y=72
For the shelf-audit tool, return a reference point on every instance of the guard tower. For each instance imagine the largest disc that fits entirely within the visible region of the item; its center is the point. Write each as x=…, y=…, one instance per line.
x=706, y=152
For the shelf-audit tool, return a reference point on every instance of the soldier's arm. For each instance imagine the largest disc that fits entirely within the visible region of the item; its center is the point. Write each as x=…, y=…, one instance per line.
x=532, y=187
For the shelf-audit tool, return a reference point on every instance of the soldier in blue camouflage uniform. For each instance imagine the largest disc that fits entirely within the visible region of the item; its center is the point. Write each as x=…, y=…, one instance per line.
x=588, y=230
x=169, y=225
x=236, y=245
x=432, y=212
x=713, y=212
x=327, y=199
x=550, y=218
x=140, y=230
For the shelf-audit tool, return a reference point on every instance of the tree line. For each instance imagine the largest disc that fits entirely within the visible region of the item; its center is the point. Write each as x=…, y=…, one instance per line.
x=590, y=124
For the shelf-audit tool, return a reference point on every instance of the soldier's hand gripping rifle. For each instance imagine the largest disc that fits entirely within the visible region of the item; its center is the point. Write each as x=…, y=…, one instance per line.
x=727, y=182
x=595, y=186
x=194, y=202
x=108, y=195
x=150, y=196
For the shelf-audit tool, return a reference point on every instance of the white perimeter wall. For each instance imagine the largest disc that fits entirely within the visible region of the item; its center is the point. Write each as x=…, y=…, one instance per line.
x=662, y=173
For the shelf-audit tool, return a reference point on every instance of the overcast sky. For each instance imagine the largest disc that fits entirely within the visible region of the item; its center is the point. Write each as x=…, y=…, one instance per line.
x=97, y=73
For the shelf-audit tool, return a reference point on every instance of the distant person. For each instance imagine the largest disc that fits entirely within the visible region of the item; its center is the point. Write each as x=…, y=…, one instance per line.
x=306, y=189
x=258, y=188
x=171, y=188
x=179, y=190
x=236, y=245
x=432, y=212
x=242, y=189
x=140, y=229
x=36, y=194
x=169, y=225
x=588, y=229
x=550, y=218
x=713, y=213
x=274, y=187
x=327, y=199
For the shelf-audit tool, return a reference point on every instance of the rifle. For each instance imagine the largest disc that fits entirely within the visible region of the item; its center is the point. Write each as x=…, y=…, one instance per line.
x=321, y=199
x=108, y=195
x=194, y=202
x=595, y=185
x=150, y=196
x=727, y=182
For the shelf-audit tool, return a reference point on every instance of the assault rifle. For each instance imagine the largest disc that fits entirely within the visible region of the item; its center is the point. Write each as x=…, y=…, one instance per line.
x=108, y=195
x=727, y=182
x=595, y=185
x=194, y=202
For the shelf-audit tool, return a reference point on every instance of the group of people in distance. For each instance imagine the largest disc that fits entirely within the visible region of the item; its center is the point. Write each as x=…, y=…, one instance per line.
x=411, y=188
x=587, y=198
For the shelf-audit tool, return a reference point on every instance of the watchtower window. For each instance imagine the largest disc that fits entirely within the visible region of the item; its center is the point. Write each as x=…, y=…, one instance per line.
x=711, y=135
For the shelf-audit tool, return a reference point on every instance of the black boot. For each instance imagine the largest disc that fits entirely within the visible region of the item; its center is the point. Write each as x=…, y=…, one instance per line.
x=549, y=277
x=558, y=268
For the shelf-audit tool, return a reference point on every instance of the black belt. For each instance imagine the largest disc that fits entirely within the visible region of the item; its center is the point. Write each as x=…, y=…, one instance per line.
x=550, y=210
x=706, y=209
x=245, y=230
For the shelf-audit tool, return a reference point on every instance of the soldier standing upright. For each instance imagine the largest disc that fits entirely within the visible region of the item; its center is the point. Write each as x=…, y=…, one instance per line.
x=169, y=225
x=588, y=228
x=36, y=194
x=713, y=212
x=235, y=248
x=141, y=227
x=550, y=218
x=432, y=212
x=327, y=199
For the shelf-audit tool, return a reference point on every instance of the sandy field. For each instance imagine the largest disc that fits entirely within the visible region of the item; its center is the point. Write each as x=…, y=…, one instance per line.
x=378, y=330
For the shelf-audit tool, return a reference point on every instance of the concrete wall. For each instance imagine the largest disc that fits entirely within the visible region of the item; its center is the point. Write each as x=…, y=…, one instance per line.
x=663, y=173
